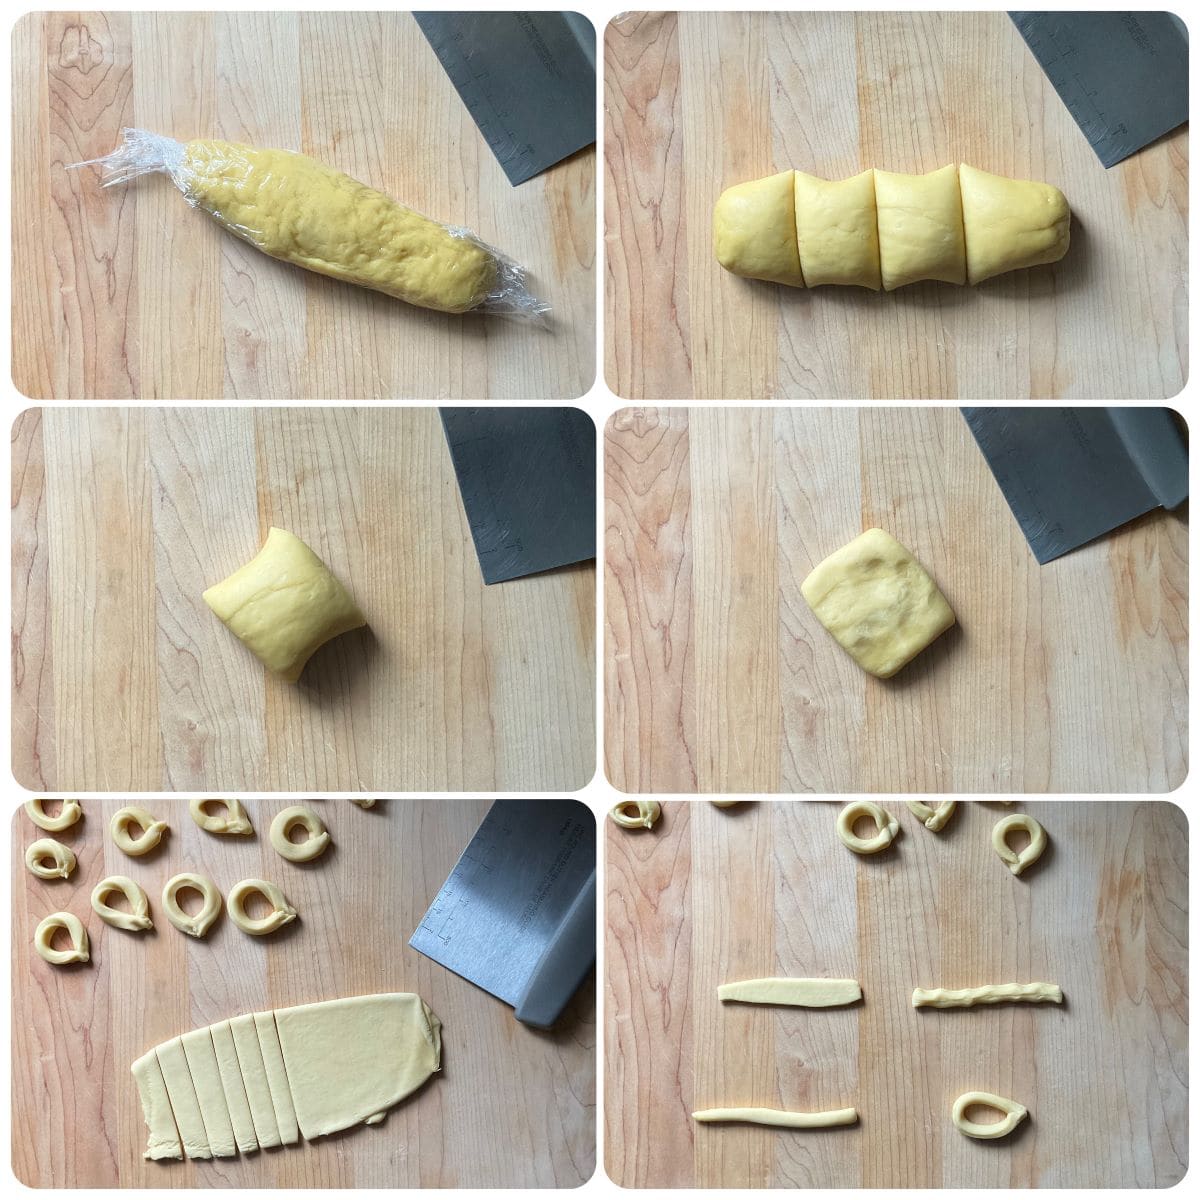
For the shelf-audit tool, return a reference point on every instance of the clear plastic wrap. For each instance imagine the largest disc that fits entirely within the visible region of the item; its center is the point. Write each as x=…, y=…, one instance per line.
x=298, y=210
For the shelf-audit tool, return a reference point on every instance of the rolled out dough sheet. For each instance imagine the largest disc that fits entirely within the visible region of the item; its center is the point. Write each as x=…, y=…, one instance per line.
x=173, y=1063
x=803, y=993
x=163, y=1141
x=254, y=1078
x=349, y=1061
x=235, y=1089
x=277, y=1078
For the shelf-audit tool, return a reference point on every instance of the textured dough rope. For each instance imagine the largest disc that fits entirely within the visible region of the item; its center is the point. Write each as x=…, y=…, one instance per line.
x=882, y=229
x=303, y=212
x=995, y=993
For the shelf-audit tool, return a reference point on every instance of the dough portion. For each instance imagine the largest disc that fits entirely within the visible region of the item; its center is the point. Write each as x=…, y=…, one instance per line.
x=1017, y=862
x=48, y=859
x=837, y=230
x=779, y=1117
x=1011, y=223
x=284, y=604
x=878, y=602
x=920, y=227
x=802, y=993
x=177, y=1077
x=754, y=230
x=636, y=814
x=277, y=1078
x=1014, y=1114
x=163, y=1140
x=210, y=1092
x=254, y=1079
x=349, y=1061
x=994, y=993
x=235, y=1089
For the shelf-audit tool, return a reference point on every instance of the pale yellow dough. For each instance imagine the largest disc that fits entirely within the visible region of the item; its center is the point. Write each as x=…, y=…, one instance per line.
x=254, y=1077
x=150, y=832
x=210, y=1092
x=63, y=819
x=138, y=917
x=194, y=926
x=185, y=1104
x=802, y=993
x=636, y=814
x=934, y=819
x=234, y=821
x=886, y=827
x=277, y=1078
x=1017, y=862
x=880, y=228
x=778, y=1117
x=281, y=911
x=994, y=993
x=301, y=211
x=878, y=602
x=284, y=604
x=163, y=1140
x=43, y=939
x=311, y=847
x=48, y=859
x=1014, y=1114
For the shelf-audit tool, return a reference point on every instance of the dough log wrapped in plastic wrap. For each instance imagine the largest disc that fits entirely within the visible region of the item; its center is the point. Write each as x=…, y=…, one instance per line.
x=301, y=211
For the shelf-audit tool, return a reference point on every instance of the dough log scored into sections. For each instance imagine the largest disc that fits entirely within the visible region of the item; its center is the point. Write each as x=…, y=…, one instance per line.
x=882, y=229
x=265, y=1079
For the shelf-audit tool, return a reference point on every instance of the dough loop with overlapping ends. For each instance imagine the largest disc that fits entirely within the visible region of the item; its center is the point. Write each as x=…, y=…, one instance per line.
x=1017, y=861
x=886, y=827
x=281, y=911
x=230, y=820
x=194, y=926
x=66, y=816
x=1014, y=1114
x=311, y=847
x=48, y=859
x=43, y=939
x=138, y=917
x=636, y=814
x=150, y=832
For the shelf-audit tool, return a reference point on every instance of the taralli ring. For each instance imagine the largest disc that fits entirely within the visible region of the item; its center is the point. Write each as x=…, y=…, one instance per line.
x=235, y=905
x=934, y=819
x=149, y=835
x=1017, y=862
x=312, y=847
x=49, y=859
x=138, y=916
x=63, y=819
x=1014, y=1114
x=201, y=923
x=636, y=814
x=233, y=822
x=885, y=833
x=43, y=939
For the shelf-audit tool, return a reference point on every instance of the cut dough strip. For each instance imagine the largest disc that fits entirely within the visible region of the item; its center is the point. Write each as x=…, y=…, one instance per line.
x=802, y=993
x=254, y=1078
x=994, y=993
x=779, y=1117
x=277, y=1078
x=210, y=1092
x=178, y=1079
x=234, y=1086
x=163, y=1141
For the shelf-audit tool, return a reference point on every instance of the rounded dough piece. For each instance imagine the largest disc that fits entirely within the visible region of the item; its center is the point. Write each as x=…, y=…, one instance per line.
x=312, y=847
x=920, y=227
x=233, y=822
x=63, y=858
x=63, y=819
x=636, y=814
x=43, y=939
x=1014, y=1114
x=235, y=905
x=837, y=230
x=151, y=830
x=201, y=923
x=886, y=827
x=1017, y=862
x=754, y=230
x=134, y=921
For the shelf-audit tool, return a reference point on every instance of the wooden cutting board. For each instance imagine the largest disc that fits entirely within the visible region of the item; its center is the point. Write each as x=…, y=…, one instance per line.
x=1063, y=678
x=512, y=1106
x=126, y=293
x=696, y=102
x=124, y=680
x=710, y=896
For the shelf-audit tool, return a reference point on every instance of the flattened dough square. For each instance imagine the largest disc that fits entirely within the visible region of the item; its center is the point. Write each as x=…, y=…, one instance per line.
x=878, y=602
x=284, y=604
x=920, y=227
x=836, y=230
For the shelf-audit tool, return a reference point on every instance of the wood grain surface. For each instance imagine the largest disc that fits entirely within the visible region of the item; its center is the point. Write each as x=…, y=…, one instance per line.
x=512, y=1106
x=1070, y=677
x=124, y=680
x=710, y=896
x=126, y=293
x=696, y=102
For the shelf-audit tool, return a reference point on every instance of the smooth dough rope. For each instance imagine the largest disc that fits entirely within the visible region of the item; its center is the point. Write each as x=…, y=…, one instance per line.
x=66, y=816
x=636, y=814
x=138, y=917
x=43, y=939
x=994, y=993
x=235, y=905
x=312, y=847
x=150, y=831
x=1014, y=1114
x=779, y=1117
x=201, y=923
x=233, y=822
x=47, y=849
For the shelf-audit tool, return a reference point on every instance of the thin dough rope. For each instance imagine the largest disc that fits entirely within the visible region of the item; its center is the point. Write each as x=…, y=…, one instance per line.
x=43, y=939
x=233, y=822
x=312, y=847
x=636, y=814
x=134, y=921
x=993, y=993
x=779, y=1117
x=64, y=819
x=63, y=858
x=1014, y=1114
x=886, y=827
x=201, y=923
x=151, y=831
x=235, y=905
x=1017, y=862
